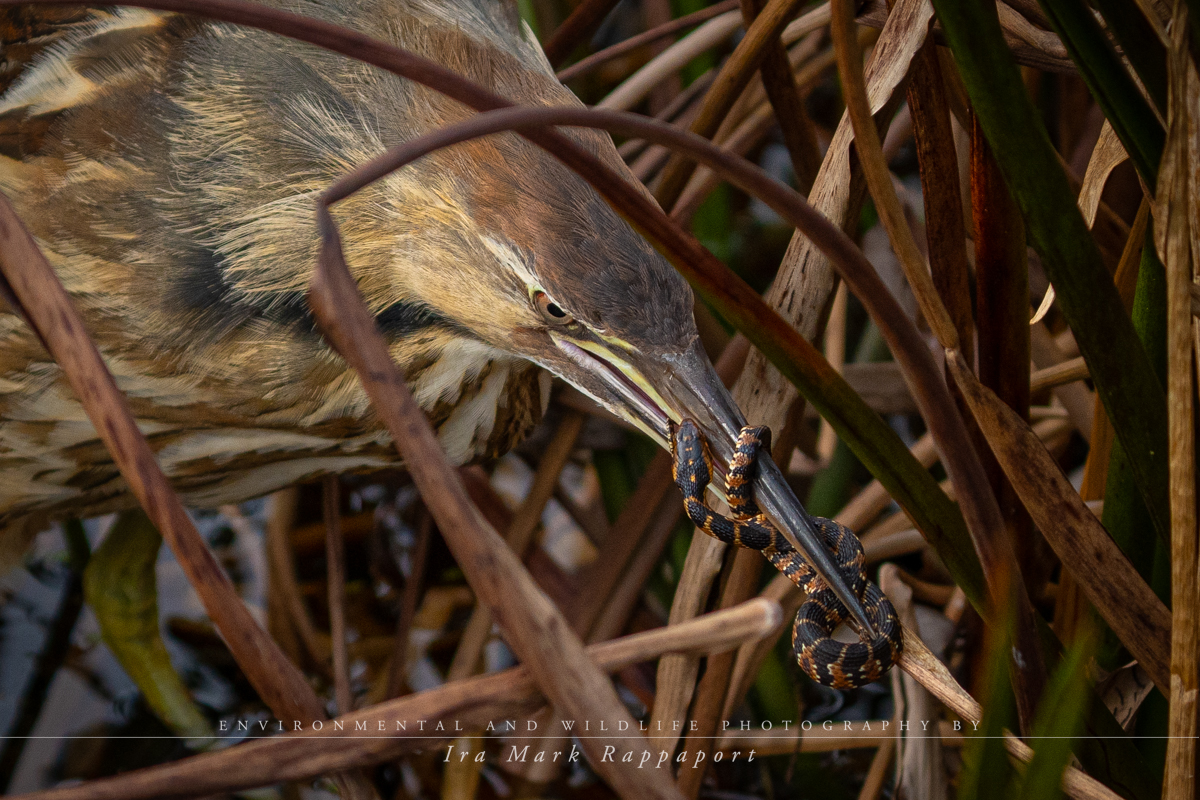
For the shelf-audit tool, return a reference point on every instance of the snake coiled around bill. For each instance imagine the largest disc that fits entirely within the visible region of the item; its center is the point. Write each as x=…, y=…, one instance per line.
x=842, y=665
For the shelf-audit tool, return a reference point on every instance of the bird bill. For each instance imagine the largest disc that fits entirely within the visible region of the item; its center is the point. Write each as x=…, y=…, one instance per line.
x=688, y=388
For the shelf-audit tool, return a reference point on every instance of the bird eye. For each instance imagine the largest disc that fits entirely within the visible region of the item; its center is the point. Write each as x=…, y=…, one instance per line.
x=551, y=312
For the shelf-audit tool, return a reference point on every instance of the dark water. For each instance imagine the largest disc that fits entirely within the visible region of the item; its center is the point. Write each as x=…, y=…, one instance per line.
x=93, y=721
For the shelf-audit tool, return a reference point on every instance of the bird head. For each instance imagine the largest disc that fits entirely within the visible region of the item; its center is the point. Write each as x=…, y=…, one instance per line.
x=487, y=250
x=591, y=301
x=566, y=283
x=546, y=270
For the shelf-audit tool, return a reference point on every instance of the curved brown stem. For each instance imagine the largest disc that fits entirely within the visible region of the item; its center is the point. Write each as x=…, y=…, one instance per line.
x=586, y=65
x=922, y=374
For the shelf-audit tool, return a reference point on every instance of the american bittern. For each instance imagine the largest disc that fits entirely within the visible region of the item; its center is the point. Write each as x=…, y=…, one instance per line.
x=168, y=165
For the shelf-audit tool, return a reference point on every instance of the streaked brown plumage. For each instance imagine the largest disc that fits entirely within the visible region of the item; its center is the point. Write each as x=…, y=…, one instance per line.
x=168, y=167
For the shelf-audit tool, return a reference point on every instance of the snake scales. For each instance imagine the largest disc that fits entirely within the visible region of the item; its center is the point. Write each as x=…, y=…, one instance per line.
x=842, y=665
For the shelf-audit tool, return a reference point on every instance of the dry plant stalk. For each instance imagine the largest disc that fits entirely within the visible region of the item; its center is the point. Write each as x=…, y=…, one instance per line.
x=47, y=308
x=502, y=695
x=784, y=95
x=919, y=761
x=923, y=665
x=642, y=82
x=283, y=586
x=859, y=276
x=945, y=229
x=879, y=179
x=30, y=282
x=519, y=537
x=535, y=629
x=732, y=78
x=750, y=131
x=586, y=65
x=462, y=777
x=877, y=773
x=806, y=280
x=577, y=27
x=1045, y=52
x=384, y=383
x=978, y=503
x=1121, y=597
x=1174, y=244
x=335, y=558
x=768, y=402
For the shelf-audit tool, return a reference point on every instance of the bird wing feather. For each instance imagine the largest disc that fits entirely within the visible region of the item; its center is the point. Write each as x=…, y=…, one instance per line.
x=151, y=154
x=25, y=31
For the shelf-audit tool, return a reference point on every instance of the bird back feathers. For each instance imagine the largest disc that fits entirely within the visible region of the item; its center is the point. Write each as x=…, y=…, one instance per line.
x=167, y=166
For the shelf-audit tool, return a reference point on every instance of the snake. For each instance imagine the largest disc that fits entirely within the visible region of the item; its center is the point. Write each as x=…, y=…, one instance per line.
x=841, y=665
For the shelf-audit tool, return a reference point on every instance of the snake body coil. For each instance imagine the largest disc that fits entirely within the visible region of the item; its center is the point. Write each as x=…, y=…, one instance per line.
x=842, y=665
